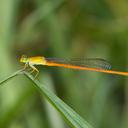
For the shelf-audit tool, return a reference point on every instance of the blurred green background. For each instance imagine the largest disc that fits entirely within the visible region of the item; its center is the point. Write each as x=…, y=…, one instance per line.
x=64, y=29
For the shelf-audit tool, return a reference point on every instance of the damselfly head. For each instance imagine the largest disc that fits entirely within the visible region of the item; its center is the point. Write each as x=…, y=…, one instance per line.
x=23, y=59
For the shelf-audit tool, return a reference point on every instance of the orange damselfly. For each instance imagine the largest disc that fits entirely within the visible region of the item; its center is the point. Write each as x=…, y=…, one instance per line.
x=92, y=64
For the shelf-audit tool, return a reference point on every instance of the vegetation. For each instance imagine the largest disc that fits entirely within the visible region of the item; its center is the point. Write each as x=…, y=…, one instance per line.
x=63, y=29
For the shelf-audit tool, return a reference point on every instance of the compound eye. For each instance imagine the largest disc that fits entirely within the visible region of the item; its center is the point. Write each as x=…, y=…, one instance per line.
x=24, y=56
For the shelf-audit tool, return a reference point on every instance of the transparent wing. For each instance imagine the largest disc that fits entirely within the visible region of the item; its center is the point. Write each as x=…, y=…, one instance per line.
x=88, y=62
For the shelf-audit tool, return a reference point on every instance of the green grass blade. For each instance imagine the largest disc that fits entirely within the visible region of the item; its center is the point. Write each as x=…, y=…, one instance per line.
x=68, y=113
x=11, y=76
